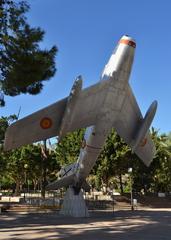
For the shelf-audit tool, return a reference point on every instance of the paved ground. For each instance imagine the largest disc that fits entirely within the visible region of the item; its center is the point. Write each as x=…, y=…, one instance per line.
x=139, y=225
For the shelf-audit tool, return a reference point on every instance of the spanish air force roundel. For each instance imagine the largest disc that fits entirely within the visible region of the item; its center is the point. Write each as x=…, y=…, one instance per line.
x=46, y=123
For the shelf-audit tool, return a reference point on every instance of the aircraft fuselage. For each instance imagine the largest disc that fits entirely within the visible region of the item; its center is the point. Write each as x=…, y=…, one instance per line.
x=116, y=75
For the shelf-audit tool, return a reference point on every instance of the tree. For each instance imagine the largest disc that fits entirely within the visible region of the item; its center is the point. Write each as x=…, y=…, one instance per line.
x=113, y=161
x=26, y=167
x=162, y=163
x=25, y=164
x=4, y=123
x=49, y=166
x=68, y=149
x=23, y=65
x=157, y=176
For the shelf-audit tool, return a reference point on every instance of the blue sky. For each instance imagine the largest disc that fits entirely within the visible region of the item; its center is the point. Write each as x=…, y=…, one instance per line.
x=86, y=32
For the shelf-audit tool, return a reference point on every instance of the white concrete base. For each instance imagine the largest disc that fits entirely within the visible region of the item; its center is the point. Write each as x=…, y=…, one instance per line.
x=74, y=205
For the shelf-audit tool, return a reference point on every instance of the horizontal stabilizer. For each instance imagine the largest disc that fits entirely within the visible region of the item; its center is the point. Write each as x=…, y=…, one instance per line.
x=134, y=129
x=63, y=182
x=140, y=139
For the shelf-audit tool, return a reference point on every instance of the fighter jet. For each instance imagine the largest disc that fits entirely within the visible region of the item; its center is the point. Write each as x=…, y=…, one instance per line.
x=107, y=104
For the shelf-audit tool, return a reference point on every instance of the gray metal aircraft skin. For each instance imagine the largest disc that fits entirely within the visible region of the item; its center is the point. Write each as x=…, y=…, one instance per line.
x=108, y=104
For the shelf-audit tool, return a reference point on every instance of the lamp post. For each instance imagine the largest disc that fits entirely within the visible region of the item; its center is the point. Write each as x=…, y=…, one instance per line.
x=130, y=172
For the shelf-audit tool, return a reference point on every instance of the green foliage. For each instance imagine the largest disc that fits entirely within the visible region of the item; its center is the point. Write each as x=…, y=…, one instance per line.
x=110, y=171
x=67, y=150
x=27, y=164
x=113, y=161
x=116, y=157
x=3, y=164
x=161, y=165
x=4, y=123
x=24, y=164
x=156, y=177
x=23, y=66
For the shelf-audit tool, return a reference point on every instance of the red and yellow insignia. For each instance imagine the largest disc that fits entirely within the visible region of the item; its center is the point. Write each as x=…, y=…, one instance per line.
x=46, y=123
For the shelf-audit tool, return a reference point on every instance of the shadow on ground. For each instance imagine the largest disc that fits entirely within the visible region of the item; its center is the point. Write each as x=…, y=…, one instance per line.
x=101, y=225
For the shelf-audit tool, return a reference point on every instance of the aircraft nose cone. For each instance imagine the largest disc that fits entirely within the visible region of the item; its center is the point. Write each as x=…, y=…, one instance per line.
x=127, y=37
x=127, y=40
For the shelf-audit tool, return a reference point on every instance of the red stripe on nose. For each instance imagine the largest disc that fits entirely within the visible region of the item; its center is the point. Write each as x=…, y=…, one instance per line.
x=128, y=42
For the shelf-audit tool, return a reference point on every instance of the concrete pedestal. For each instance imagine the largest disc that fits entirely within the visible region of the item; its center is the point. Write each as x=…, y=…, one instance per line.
x=74, y=205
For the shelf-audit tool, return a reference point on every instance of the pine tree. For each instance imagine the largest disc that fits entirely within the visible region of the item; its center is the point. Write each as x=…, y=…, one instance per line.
x=23, y=65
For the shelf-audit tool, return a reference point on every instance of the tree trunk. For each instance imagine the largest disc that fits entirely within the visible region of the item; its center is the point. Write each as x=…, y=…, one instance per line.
x=44, y=166
x=17, y=188
x=121, y=183
x=43, y=182
x=105, y=183
x=35, y=182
